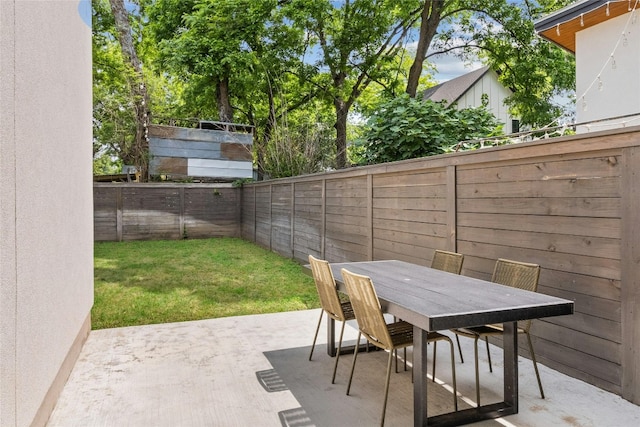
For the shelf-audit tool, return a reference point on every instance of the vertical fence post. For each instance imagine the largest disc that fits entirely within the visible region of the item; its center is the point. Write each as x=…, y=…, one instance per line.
x=183, y=230
x=370, y=216
x=292, y=226
x=452, y=209
x=630, y=280
x=323, y=222
x=270, y=216
x=119, y=214
x=255, y=215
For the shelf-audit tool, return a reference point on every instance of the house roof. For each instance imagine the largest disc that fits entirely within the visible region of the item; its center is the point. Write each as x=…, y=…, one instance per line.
x=452, y=90
x=561, y=26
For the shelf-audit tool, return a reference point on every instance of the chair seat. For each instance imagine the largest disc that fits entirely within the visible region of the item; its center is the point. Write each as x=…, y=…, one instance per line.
x=347, y=310
x=401, y=333
x=481, y=331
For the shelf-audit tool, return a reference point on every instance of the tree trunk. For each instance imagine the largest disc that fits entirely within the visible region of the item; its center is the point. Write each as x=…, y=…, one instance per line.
x=430, y=19
x=225, y=110
x=342, y=111
x=137, y=87
x=261, y=145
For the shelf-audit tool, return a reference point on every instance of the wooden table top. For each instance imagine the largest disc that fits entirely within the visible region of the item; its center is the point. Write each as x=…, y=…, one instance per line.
x=436, y=300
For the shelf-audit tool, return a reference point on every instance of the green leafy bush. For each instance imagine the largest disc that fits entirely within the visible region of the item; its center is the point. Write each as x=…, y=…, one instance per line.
x=407, y=128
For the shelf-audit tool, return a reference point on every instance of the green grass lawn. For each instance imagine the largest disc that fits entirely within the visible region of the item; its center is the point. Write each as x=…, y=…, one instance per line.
x=146, y=282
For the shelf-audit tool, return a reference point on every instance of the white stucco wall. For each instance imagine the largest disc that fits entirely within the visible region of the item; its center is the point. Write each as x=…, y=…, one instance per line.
x=496, y=92
x=46, y=205
x=619, y=93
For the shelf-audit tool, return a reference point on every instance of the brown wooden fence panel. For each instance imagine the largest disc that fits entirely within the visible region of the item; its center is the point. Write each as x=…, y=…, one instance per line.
x=561, y=213
x=308, y=219
x=263, y=216
x=248, y=209
x=211, y=212
x=165, y=211
x=281, y=217
x=569, y=204
x=347, y=233
x=409, y=215
x=106, y=202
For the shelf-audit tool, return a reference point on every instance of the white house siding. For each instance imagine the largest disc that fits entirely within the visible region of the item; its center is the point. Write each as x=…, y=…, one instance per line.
x=497, y=93
x=619, y=93
x=46, y=221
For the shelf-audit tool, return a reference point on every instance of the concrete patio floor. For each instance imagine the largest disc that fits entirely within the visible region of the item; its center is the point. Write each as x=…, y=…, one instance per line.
x=254, y=371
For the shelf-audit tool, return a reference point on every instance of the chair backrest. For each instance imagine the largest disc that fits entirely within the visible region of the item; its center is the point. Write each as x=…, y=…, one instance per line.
x=366, y=307
x=518, y=275
x=447, y=261
x=326, y=286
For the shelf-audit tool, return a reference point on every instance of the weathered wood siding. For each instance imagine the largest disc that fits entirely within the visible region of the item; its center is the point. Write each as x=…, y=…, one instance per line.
x=165, y=211
x=185, y=152
x=569, y=204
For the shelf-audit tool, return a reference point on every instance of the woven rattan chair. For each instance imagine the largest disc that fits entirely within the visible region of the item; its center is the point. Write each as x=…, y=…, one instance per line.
x=447, y=261
x=518, y=275
x=330, y=303
x=450, y=262
x=372, y=325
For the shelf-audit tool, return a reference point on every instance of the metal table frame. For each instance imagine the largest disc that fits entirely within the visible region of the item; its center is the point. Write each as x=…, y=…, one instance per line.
x=435, y=300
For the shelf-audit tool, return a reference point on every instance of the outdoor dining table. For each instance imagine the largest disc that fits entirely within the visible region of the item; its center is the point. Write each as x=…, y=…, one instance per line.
x=434, y=300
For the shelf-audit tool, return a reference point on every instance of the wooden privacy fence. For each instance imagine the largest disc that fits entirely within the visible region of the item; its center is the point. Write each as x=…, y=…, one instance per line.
x=165, y=211
x=569, y=204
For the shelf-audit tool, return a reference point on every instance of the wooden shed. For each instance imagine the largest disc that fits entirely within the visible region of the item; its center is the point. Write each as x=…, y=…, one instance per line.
x=224, y=153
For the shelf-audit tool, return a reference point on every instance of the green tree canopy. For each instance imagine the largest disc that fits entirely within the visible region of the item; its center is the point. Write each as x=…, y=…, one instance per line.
x=406, y=128
x=296, y=65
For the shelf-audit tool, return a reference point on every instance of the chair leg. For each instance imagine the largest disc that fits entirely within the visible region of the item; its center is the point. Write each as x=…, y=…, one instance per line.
x=335, y=365
x=535, y=364
x=315, y=337
x=405, y=359
x=475, y=353
x=386, y=388
x=433, y=365
x=453, y=375
x=459, y=348
x=486, y=340
x=353, y=364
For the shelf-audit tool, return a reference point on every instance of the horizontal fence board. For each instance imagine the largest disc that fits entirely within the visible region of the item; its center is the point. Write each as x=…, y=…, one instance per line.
x=602, y=287
x=416, y=240
x=560, y=243
x=548, y=170
x=411, y=191
x=579, y=226
x=596, y=370
x=430, y=204
x=592, y=266
x=409, y=179
x=579, y=187
x=580, y=341
x=421, y=216
x=603, y=207
x=384, y=252
x=417, y=228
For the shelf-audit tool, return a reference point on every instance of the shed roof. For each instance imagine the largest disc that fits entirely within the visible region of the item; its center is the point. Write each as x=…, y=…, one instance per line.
x=561, y=26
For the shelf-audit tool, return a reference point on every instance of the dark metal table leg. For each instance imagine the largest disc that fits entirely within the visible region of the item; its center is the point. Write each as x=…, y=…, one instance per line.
x=511, y=365
x=419, y=377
